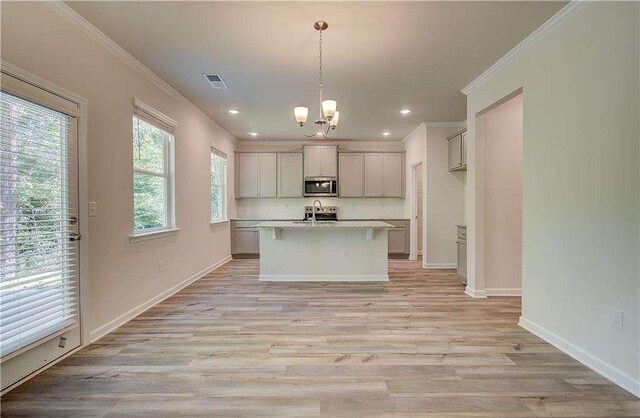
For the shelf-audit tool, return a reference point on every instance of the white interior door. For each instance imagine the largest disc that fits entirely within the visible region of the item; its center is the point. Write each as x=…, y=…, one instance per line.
x=39, y=229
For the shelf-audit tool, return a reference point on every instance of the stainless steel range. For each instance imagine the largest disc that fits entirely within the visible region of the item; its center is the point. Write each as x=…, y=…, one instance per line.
x=323, y=213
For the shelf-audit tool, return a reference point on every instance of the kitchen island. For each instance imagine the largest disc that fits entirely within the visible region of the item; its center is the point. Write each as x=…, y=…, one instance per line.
x=306, y=251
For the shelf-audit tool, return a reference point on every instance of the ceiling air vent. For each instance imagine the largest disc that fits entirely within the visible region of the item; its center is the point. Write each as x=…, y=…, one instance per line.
x=216, y=81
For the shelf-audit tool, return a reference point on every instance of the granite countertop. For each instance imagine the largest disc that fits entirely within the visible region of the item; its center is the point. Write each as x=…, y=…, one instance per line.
x=324, y=225
x=340, y=220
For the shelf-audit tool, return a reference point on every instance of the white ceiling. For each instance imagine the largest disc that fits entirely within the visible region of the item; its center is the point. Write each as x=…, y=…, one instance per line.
x=379, y=57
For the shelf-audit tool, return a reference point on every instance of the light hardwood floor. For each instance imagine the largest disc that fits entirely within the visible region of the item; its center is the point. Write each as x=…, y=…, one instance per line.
x=229, y=345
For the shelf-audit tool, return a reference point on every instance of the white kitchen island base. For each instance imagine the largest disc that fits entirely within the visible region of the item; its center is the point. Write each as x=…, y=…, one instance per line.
x=349, y=251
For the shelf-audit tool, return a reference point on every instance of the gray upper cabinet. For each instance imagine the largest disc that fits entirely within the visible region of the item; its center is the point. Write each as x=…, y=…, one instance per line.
x=384, y=174
x=290, y=175
x=373, y=176
x=256, y=173
x=464, y=149
x=458, y=151
x=247, y=169
x=360, y=174
x=393, y=173
x=329, y=161
x=320, y=161
x=350, y=181
x=267, y=175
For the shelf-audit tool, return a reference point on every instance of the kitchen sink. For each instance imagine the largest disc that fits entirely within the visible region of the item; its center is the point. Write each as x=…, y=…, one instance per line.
x=318, y=222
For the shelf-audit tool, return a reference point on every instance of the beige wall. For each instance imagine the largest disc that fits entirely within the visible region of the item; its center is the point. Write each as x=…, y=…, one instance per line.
x=503, y=196
x=123, y=275
x=445, y=200
x=581, y=170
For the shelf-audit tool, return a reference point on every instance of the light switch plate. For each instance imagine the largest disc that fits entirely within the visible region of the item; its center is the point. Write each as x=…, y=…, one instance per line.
x=93, y=209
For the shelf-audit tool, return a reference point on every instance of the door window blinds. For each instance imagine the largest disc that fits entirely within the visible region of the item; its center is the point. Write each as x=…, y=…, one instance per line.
x=38, y=215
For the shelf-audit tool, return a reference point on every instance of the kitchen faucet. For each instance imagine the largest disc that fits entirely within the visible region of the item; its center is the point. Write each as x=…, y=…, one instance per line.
x=314, y=209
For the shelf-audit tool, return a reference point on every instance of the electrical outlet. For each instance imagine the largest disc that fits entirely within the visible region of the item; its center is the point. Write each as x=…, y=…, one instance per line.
x=616, y=318
x=93, y=210
x=160, y=266
x=345, y=254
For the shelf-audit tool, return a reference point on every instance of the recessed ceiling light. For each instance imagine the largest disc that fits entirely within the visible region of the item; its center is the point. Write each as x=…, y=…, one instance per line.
x=405, y=111
x=253, y=133
x=234, y=111
x=386, y=133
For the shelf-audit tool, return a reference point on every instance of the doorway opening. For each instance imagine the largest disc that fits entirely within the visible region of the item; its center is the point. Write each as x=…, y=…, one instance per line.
x=499, y=140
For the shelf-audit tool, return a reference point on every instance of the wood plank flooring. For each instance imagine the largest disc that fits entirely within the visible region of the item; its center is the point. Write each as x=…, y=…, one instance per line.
x=229, y=345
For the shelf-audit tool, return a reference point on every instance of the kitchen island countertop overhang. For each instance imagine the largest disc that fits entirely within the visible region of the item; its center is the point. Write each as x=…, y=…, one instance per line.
x=323, y=251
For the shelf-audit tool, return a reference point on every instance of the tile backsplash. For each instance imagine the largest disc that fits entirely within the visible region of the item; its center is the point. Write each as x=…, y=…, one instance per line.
x=348, y=208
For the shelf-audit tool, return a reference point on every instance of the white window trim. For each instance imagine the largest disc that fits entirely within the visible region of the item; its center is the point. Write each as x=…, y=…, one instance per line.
x=153, y=234
x=225, y=186
x=170, y=204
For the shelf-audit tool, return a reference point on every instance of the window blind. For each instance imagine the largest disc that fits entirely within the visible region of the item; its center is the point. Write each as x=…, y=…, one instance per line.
x=38, y=213
x=154, y=117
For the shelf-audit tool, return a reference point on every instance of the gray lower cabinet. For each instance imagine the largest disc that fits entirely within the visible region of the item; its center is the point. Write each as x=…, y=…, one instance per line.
x=245, y=237
x=462, y=252
x=399, y=237
x=247, y=241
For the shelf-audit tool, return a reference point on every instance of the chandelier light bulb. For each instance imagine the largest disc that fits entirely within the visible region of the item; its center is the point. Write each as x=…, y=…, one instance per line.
x=301, y=113
x=329, y=108
x=334, y=121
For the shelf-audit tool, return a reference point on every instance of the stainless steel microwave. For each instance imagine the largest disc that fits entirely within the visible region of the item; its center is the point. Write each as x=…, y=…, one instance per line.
x=320, y=186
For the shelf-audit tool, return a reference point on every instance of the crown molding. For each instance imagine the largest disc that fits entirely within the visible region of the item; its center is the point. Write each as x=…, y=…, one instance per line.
x=537, y=35
x=85, y=26
x=462, y=124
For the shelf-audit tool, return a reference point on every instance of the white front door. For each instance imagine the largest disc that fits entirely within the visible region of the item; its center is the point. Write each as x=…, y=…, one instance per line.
x=39, y=229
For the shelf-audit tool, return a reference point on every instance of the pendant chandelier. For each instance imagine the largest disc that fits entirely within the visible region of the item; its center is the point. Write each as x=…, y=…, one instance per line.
x=327, y=115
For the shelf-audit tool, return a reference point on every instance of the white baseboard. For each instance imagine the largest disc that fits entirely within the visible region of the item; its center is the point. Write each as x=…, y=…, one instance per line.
x=323, y=278
x=499, y=291
x=478, y=294
x=596, y=364
x=103, y=330
x=439, y=265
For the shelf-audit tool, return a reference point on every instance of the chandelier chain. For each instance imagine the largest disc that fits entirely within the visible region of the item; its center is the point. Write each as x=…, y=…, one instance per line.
x=325, y=127
x=320, y=73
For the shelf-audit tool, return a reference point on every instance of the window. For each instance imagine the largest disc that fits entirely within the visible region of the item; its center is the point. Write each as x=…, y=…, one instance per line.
x=153, y=178
x=218, y=186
